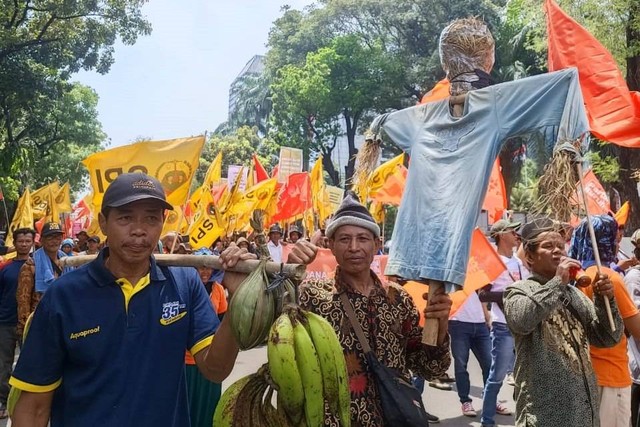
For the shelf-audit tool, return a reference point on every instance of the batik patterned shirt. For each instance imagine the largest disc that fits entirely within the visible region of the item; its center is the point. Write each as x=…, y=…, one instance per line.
x=389, y=320
x=553, y=325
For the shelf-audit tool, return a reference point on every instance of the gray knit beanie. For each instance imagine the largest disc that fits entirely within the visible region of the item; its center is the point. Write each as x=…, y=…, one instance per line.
x=351, y=212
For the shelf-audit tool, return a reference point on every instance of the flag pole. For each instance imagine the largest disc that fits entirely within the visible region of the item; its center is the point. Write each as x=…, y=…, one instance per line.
x=594, y=242
x=6, y=213
x=183, y=207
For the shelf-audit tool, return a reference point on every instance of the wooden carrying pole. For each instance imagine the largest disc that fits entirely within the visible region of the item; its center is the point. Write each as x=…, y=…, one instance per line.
x=431, y=325
x=594, y=244
x=294, y=271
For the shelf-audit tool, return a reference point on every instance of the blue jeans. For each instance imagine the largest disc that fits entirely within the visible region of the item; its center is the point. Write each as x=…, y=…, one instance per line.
x=501, y=359
x=467, y=336
x=418, y=383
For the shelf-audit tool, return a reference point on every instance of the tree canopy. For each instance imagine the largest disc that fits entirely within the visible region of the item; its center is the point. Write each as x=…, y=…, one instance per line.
x=47, y=122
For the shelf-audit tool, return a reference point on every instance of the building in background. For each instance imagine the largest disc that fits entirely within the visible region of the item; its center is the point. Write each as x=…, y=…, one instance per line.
x=254, y=67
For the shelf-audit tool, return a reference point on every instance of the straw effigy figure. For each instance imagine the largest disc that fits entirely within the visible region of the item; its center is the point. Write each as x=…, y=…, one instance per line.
x=453, y=144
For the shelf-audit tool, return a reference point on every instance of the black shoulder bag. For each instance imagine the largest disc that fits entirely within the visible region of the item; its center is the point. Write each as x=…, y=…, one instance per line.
x=401, y=402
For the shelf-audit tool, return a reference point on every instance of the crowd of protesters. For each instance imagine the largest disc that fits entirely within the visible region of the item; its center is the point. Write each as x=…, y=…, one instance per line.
x=544, y=321
x=25, y=278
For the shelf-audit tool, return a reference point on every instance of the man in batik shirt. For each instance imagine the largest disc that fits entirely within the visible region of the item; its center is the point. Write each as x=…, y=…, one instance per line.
x=386, y=312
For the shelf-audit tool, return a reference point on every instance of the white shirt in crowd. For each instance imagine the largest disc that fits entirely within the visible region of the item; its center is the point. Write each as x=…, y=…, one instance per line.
x=515, y=271
x=275, y=251
x=471, y=311
x=632, y=280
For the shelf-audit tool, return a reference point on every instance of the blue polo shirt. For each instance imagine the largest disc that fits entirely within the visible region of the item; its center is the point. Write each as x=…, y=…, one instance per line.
x=113, y=364
x=9, y=273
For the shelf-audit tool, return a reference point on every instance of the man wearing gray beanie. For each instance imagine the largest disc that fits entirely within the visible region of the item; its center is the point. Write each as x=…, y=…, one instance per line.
x=385, y=311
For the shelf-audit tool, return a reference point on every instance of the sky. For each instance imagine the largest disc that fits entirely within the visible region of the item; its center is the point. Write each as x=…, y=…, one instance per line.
x=175, y=82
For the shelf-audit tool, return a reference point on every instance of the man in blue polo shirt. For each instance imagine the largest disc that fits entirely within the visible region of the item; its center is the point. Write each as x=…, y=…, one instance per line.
x=106, y=345
x=9, y=271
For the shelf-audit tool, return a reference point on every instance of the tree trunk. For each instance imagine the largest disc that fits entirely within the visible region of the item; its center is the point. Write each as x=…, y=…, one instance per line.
x=327, y=164
x=351, y=124
x=629, y=158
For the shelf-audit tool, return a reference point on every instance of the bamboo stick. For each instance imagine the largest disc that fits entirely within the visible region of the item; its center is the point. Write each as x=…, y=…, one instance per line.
x=295, y=271
x=594, y=243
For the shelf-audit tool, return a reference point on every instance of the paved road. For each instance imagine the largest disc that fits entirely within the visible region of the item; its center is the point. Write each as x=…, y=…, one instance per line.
x=443, y=404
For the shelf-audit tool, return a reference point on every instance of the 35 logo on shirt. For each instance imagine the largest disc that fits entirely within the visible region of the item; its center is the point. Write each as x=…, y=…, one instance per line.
x=172, y=312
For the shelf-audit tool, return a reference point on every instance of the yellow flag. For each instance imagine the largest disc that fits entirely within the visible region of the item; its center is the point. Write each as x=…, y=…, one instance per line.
x=211, y=178
x=250, y=177
x=95, y=230
x=53, y=212
x=234, y=195
x=309, y=222
x=319, y=195
x=377, y=211
x=379, y=176
x=40, y=199
x=205, y=228
x=63, y=199
x=173, y=162
x=94, y=225
x=23, y=217
x=174, y=221
x=214, y=173
x=256, y=197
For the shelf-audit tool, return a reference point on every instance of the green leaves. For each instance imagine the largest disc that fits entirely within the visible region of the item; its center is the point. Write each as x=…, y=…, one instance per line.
x=48, y=123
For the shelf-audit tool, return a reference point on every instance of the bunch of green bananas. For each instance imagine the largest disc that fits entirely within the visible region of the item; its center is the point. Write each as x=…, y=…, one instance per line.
x=307, y=364
x=249, y=403
x=255, y=305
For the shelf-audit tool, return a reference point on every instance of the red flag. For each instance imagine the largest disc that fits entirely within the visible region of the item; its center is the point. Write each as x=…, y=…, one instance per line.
x=294, y=198
x=274, y=172
x=613, y=110
x=261, y=173
x=495, y=202
x=1, y=195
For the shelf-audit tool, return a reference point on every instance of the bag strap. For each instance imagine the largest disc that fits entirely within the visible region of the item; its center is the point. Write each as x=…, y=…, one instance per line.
x=351, y=315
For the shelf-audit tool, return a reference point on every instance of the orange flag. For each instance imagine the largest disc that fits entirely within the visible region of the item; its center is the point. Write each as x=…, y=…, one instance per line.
x=392, y=189
x=623, y=213
x=597, y=199
x=294, y=197
x=261, y=173
x=495, y=202
x=613, y=110
x=439, y=91
x=484, y=266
